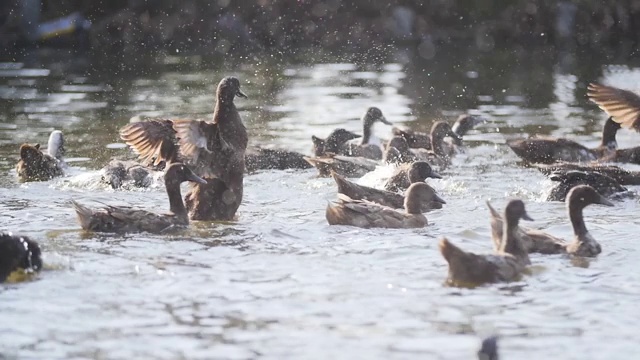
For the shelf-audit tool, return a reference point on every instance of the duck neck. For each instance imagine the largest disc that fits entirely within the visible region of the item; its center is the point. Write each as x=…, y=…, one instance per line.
x=577, y=220
x=366, y=132
x=436, y=144
x=223, y=105
x=609, y=132
x=412, y=205
x=176, y=205
x=510, y=242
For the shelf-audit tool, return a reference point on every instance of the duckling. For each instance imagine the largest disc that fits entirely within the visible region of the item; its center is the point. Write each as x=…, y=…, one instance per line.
x=18, y=252
x=489, y=349
x=398, y=151
x=348, y=166
x=365, y=214
x=35, y=165
x=506, y=264
x=333, y=143
x=119, y=172
x=547, y=150
x=408, y=174
x=382, y=197
x=259, y=158
x=440, y=153
x=365, y=149
x=127, y=219
x=216, y=149
x=603, y=184
x=622, y=176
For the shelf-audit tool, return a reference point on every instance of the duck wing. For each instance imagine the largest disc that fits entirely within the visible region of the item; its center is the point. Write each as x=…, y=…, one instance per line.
x=153, y=140
x=549, y=150
x=359, y=192
x=622, y=105
x=121, y=219
x=375, y=215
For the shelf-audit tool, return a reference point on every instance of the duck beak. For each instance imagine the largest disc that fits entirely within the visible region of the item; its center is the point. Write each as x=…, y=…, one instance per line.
x=604, y=201
x=355, y=136
x=196, y=179
x=384, y=120
x=241, y=94
x=438, y=199
x=526, y=216
x=435, y=175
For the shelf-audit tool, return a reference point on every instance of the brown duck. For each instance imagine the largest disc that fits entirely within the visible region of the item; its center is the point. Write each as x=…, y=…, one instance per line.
x=382, y=197
x=365, y=149
x=398, y=152
x=18, y=253
x=118, y=173
x=420, y=140
x=126, y=219
x=547, y=150
x=408, y=174
x=35, y=165
x=583, y=244
x=366, y=214
x=603, y=184
x=215, y=150
x=441, y=152
x=506, y=264
x=333, y=143
x=260, y=158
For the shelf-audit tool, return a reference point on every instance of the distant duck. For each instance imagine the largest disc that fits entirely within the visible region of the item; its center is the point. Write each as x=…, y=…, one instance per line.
x=260, y=158
x=441, y=152
x=366, y=214
x=622, y=176
x=547, y=150
x=408, y=174
x=126, y=219
x=215, y=149
x=18, y=253
x=489, y=349
x=348, y=166
x=603, y=184
x=35, y=165
x=420, y=140
x=117, y=173
x=506, y=264
x=365, y=148
x=333, y=143
x=382, y=197
x=463, y=124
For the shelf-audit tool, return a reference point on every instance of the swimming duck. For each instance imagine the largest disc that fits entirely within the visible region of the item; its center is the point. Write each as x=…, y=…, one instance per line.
x=18, y=252
x=348, y=166
x=506, y=264
x=126, y=219
x=117, y=173
x=333, y=143
x=489, y=349
x=603, y=184
x=366, y=214
x=382, y=197
x=398, y=151
x=216, y=149
x=622, y=176
x=547, y=150
x=35, y=165
x=420, y=140
x=441, y=152
x=259, y=158
x=365, y=149
x=408, y=174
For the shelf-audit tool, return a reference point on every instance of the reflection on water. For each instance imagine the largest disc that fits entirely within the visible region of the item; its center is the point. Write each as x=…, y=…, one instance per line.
x=280, y=283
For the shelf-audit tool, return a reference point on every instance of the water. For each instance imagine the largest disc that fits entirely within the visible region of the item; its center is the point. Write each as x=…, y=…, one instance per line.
x=280, y=283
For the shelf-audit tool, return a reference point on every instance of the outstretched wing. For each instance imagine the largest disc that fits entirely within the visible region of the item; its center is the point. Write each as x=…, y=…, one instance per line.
x=622, y=105
x=153, y=140
x=202, y=146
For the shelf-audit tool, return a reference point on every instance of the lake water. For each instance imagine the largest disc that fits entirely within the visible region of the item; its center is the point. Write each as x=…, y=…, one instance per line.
x=279, y=283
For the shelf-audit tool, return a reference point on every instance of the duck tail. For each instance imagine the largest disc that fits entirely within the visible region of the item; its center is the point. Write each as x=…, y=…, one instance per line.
x=340, y=181
x=493, y=211
x=449, y=251
x=84, y=214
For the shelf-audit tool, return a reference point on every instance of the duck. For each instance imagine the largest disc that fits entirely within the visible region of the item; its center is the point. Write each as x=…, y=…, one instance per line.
x=215, y=149
x=398, y=151
x=18, y=253
x=365, y=148
x=348, y=166
x=441, y=152
x=382, y=197
x=547, y=150
x=420, y=140
x=125, y=219
x=332, y=143
x=505, y=264
x=622, y=176
x=118, y=173
x=408, y=174
x=603, y=184
x=260, y=158
x=366, y=214
x=489, y=349
x=36, y=165
x=463, y=124
x=622, y=105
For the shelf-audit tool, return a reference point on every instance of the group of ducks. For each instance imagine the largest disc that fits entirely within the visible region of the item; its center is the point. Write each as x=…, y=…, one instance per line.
x=213, y=157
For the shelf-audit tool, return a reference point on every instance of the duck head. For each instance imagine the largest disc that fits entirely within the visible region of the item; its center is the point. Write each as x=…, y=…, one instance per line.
x=420, y=193
x=55, y=146
x=515, y=210
x=229, y=88
x=583, y=195
x=333, y=142
x=179, y=173
x=440, y=130
x=420, y=170
x=30, y=153
x=399, y=143
x=466, y=122
x=372, y=115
